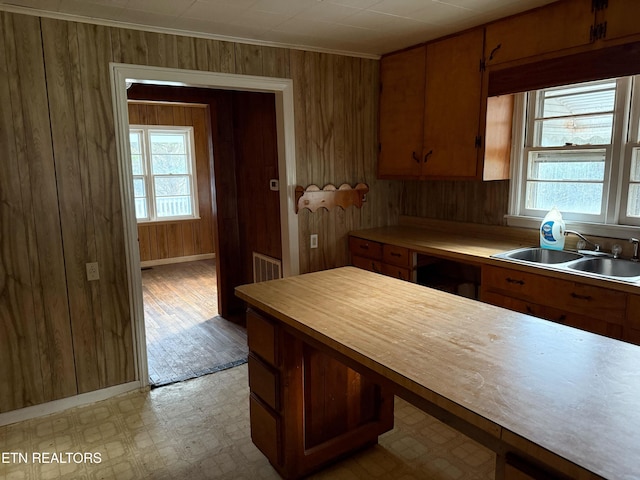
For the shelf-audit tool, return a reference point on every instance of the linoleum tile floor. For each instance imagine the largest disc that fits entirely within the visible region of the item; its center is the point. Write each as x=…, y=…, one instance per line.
x=199, y=429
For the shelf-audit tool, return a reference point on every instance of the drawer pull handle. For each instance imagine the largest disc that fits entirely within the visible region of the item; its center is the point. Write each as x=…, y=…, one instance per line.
x=396, y=254
x=364, y=246
x=515, y=281
x=581, y=297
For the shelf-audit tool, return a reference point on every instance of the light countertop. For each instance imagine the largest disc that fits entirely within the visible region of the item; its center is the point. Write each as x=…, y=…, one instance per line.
x=516, y=376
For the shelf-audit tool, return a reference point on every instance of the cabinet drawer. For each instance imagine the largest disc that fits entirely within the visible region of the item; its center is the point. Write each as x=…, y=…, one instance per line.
x=633, y=312
x=632, y=335
x=265, y=429
x=367, y=263
x=365, y=248
x=396, y=255
x=583, y=322
x=261, y=337
x=264, y=381
x=566, y=295
x=396, y=272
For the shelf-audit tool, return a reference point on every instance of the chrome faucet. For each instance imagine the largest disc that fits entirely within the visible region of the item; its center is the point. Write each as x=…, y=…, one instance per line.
x=596, y=247
x=635, y=242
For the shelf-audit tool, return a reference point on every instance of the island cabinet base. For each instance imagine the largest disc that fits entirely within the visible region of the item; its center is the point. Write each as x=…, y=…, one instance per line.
x=306, y=408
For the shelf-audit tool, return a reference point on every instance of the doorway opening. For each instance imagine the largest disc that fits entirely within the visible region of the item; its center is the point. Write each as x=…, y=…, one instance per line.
x=281, y=90
x=195, y=152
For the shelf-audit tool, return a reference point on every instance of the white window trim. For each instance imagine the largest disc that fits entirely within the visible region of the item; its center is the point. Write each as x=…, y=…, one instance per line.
x=148, y=177
x=615, y=205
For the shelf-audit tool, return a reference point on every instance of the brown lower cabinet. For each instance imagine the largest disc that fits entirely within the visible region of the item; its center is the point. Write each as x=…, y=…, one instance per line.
x=306, y=408
x=390, y=260
x=595, y=309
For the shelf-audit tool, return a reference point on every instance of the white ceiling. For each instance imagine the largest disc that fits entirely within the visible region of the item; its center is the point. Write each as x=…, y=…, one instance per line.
x=360, y=27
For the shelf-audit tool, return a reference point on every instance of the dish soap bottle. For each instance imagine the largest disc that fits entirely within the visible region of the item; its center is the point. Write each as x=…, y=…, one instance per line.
x=552, y=230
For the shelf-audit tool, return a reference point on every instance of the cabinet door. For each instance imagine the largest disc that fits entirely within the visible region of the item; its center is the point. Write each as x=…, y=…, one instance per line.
x=452, y=106
x=619, y=19
x=402, y=77
x=554, y=27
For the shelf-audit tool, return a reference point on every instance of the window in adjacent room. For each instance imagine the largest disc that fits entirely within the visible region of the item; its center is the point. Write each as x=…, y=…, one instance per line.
x=580, y=152
x=163, y=166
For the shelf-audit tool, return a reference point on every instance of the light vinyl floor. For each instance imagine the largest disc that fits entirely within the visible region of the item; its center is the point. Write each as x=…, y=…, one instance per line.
x=199, y=429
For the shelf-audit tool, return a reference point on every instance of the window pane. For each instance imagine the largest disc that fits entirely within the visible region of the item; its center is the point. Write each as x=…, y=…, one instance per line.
x=169, y=164
x=567, y=165
x=578, y=100
x=175, y=206
x=571, y=180
x=172, y=186
x=567, y=196
x=168, y=143
x=134, y=143
x=136, y=165
x=633, y=201
x=587, y=130
x=139, y=188
x=635, y=165
x=141, y=208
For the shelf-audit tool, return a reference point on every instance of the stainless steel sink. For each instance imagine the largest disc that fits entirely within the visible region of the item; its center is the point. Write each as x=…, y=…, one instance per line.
x=586, y=264
x=610, y=267
x=540, y=255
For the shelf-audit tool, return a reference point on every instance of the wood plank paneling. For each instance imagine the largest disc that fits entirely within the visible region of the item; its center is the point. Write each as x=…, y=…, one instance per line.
x=476, y=202
x=70, y=154
x=67, y=201
x=177, y=239
x=115, y=349
x=39, y=343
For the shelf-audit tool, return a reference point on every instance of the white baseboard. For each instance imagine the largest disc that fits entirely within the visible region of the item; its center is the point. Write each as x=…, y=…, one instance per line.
x=168, y=261
x=56, y=406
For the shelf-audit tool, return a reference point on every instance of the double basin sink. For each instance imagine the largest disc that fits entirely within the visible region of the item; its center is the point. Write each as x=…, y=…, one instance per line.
x=597, y=264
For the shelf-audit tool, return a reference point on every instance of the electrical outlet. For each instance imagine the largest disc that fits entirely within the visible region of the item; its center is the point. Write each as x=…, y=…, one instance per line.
x=314, y=240
x=92, y=271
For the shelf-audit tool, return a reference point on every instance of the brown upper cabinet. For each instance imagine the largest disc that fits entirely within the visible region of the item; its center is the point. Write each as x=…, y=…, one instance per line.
x=402, y=79
x=432, y=113
x=617, y=20
x=561, y=28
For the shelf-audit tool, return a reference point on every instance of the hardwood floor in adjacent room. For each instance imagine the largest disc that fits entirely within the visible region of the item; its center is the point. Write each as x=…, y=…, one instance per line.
x=185, y=336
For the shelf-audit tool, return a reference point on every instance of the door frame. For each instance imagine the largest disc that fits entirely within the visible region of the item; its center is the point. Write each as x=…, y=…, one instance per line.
x=282, y=88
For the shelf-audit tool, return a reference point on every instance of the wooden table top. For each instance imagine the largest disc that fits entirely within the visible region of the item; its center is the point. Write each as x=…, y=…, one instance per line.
x=574, y=393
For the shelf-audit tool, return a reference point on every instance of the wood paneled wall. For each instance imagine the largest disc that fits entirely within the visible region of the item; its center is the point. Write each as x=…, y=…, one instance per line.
x=36, y=351
x=185, y=237
x=460, y=201
x=61, y=205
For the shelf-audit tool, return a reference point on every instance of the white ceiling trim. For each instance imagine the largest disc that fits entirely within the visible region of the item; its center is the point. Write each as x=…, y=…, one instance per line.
x=171, y=31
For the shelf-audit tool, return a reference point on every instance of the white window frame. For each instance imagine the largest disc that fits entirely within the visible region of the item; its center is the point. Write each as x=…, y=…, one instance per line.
x=613, y=222
x=146, y=131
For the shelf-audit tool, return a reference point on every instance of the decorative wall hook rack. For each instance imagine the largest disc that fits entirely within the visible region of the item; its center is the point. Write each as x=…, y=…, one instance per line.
x=313, y=197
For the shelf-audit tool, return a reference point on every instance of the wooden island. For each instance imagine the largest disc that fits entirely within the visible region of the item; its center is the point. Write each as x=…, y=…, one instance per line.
x=330, y=349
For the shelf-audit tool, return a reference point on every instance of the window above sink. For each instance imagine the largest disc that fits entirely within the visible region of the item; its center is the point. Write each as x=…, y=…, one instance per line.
x=577, y=147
